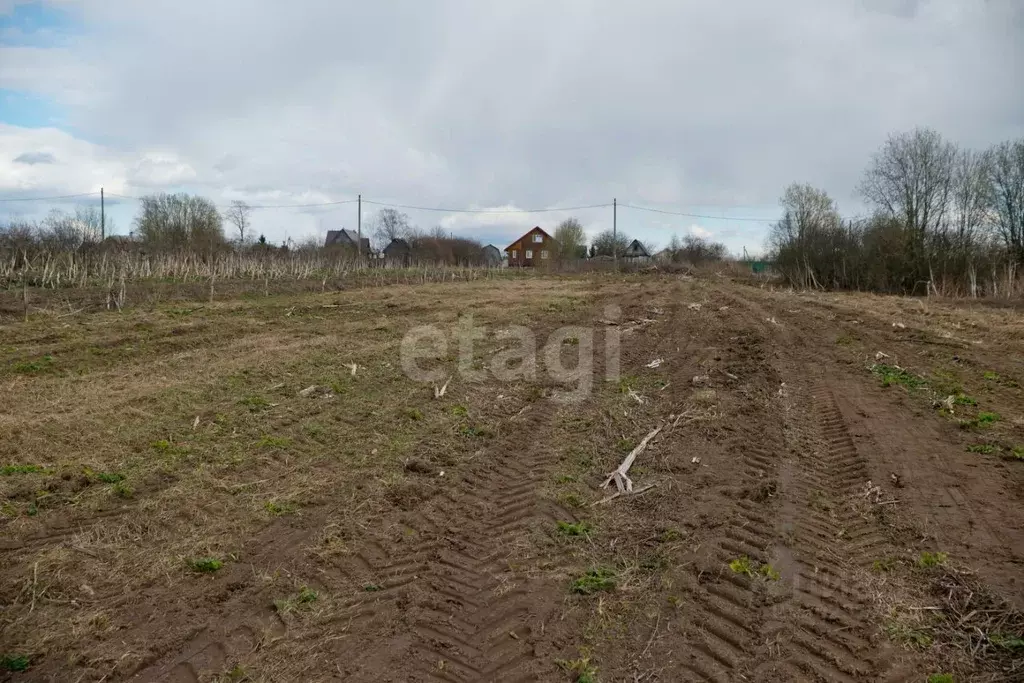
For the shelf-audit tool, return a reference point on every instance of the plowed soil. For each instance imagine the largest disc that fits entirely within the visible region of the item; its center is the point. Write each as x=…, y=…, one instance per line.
x=834, y=493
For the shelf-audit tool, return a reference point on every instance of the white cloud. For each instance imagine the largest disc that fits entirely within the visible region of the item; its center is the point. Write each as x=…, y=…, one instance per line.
x=530, y=103
x=699, y=231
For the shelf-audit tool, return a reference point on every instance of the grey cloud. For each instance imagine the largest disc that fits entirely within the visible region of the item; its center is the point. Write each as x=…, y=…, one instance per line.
x=31, y=158
x=547, y=103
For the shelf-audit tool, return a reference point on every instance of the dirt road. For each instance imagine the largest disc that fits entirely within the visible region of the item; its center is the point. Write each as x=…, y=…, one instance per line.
x=816, y=514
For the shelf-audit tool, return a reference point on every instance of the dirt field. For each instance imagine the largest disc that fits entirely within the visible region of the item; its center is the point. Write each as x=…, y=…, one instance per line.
x=176, y=508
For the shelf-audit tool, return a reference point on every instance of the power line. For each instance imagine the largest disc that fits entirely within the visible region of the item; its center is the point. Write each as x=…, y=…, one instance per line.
x=443, y=210
x=698, y=215
x=46, y=199
x=258, y=206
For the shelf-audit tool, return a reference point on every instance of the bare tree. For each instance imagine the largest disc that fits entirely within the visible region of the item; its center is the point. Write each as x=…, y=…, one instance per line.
x=389, y=224
x=800, y=241
x=608, y=244
x=238, y=215
x=570, y=239
x=911, y=179
x=179, y=220
x=971, y=197
x=1007, y=177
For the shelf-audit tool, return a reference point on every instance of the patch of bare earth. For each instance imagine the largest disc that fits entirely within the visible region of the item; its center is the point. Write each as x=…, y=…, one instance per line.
x=209, y=493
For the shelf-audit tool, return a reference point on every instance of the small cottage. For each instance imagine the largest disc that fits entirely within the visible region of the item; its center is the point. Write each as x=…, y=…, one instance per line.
x=398, y=254
x=491, y=256
x=636, y=252
x=347, y=238
x=535, y=248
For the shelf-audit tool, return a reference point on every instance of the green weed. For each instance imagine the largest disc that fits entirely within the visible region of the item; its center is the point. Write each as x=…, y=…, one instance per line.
x=573, y=500
x=573, y=529
x=14, y=663
x=414, y=414
x=894, y=374
x=1016, y=454
x=984, y=419
x=626, y=383
x=928, y=560
x=121, y=489
x=993, y=376
x=477, y=431
x=1006, y=642
x=885, y=564
x=110, y=477
x=905, y=635
x=22, y=469
x=941, y=678
x=205, y=565
x=845, y=340
x=280, y=508
x=269, y=441
x=985, y=448
x=963, y=399
x=33, y=367
x=594, y=580
x=254, y=403
x=460, y=411
x=742, y=565
x=371, y=588
x=582, y=668
x=571, y=341
x=626, y=445
x=305, y=596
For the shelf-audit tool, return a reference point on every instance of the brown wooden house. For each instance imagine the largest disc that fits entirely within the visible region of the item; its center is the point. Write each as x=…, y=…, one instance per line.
x=535, y=248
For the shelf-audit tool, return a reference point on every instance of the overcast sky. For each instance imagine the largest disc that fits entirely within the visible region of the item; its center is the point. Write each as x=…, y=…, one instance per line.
x=688, y=106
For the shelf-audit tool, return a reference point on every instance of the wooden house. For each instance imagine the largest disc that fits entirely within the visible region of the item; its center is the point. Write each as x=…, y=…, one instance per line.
x=535, y=248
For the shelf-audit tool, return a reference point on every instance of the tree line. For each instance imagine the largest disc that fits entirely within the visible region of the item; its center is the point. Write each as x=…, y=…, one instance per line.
x=943, y=220
x=186, y=223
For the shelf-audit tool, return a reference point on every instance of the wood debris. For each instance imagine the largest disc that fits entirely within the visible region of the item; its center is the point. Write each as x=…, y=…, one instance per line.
x=621, y=474
x=439, y=392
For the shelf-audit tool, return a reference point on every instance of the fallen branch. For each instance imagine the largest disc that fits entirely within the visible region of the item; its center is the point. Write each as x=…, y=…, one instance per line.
x=438, y=393
x=621, y=474
x=618, y=494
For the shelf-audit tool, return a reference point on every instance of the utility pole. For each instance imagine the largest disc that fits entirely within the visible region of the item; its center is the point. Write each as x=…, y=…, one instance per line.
x=359, y=227
x=103, y=218
x=615, y=232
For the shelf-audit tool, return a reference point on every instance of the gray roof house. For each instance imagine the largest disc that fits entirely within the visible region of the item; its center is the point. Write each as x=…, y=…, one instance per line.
x=343, y=238
x=398, y=252
x=492, y=255
x=635, y=250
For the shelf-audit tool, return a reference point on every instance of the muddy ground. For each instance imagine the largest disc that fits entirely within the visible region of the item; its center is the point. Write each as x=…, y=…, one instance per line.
x=207, y=492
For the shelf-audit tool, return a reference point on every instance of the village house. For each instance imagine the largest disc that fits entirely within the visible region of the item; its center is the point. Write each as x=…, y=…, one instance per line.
x=535, y=248
x=347, y=238
x=636, y=252
x=398, y=253
x=491, y=256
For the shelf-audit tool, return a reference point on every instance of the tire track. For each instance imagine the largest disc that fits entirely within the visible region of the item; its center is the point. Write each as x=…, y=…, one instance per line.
x=825, y=634
x=470, y=616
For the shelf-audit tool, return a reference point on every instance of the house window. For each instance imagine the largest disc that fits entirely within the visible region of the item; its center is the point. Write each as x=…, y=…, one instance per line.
x=529, y=253
x=544, y=253
x=515, y=253
x=538, y=238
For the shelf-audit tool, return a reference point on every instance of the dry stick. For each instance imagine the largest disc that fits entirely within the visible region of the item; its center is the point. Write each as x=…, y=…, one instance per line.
x=617, y=494
x=621, y=473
